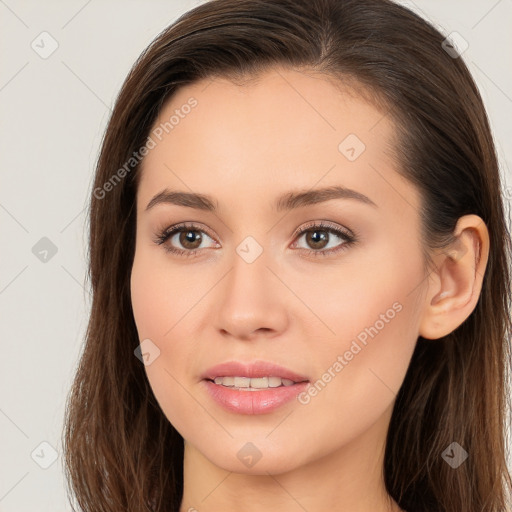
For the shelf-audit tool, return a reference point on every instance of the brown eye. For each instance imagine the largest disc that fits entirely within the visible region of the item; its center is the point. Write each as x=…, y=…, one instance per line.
x=190, y=239
x=184, y=240
x=318, y=237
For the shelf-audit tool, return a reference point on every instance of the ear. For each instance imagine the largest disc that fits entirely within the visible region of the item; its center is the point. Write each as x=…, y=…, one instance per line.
x=456, y=281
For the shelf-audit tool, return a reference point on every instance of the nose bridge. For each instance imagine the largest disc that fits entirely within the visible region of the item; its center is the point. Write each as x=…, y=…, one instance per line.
x=248, y=300
x=249, y=277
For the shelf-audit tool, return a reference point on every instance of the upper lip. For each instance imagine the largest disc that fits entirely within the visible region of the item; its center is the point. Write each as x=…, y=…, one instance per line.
x=252, y=369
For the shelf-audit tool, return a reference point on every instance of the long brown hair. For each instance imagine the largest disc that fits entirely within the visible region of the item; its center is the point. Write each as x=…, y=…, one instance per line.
x=121, y=452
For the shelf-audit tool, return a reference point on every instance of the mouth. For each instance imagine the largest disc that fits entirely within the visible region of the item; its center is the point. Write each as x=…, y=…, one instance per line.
x=254, y=375
x=259, y=387
x=253, y=383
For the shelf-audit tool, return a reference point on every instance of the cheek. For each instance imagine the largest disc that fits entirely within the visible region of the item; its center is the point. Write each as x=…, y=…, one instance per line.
x=157, y=309
x=362, y=373
x=374, y=315
x=164, y=303
x=160, y=294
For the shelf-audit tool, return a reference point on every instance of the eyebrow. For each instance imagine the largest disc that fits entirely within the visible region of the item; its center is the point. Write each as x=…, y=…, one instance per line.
x=288, y=201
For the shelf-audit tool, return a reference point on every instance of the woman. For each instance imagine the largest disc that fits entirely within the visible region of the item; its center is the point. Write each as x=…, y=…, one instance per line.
x=299, y=263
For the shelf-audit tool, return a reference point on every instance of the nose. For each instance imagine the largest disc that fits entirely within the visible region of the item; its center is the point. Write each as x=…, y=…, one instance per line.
x=250, y=301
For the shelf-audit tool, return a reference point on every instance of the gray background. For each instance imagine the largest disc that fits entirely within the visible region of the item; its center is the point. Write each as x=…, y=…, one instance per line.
x=53, y=113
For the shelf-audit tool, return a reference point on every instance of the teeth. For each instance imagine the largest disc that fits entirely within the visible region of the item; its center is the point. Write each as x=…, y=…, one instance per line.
x=253, y=383
x=227, y=381
x=274, y=382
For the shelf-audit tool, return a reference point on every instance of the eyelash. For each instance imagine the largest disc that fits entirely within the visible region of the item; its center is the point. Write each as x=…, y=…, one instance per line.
x=166, y=234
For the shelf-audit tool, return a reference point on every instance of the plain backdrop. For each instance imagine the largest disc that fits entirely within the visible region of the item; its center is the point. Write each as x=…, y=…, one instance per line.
x=53, y=113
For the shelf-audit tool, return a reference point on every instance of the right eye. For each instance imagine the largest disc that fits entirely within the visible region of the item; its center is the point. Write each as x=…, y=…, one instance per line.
x=185, y=234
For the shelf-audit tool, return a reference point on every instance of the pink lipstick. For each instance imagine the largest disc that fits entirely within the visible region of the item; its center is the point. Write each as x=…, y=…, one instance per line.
x=258, y=387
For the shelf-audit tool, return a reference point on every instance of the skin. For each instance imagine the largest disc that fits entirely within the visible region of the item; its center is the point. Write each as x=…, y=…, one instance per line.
x=244, y=145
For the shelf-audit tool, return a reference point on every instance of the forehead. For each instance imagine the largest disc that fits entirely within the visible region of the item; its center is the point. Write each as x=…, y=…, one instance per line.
x=284, y=129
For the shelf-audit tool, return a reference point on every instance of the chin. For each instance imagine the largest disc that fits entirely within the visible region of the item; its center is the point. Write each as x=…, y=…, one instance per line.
x=256, y=457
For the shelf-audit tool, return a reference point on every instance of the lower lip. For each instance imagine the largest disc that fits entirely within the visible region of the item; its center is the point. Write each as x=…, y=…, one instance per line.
x=253, y=402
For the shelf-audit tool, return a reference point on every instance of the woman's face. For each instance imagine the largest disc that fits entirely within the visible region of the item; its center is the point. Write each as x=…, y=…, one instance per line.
x=343, y=316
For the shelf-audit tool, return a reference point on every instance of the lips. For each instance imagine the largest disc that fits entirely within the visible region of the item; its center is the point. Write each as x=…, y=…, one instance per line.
x=255, y=369
x=242, y=399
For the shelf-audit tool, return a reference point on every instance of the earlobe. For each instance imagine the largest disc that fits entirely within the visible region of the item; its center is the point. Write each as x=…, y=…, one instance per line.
x=456, y=282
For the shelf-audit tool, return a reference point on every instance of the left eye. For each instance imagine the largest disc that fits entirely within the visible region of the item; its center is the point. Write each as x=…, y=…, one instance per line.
x=188, y=236
x=317, y=235
x=320, y=238
x=318, y=241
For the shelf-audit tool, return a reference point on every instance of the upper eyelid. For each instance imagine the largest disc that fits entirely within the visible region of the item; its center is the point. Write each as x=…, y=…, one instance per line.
x=323, y=224
x=192, y=226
